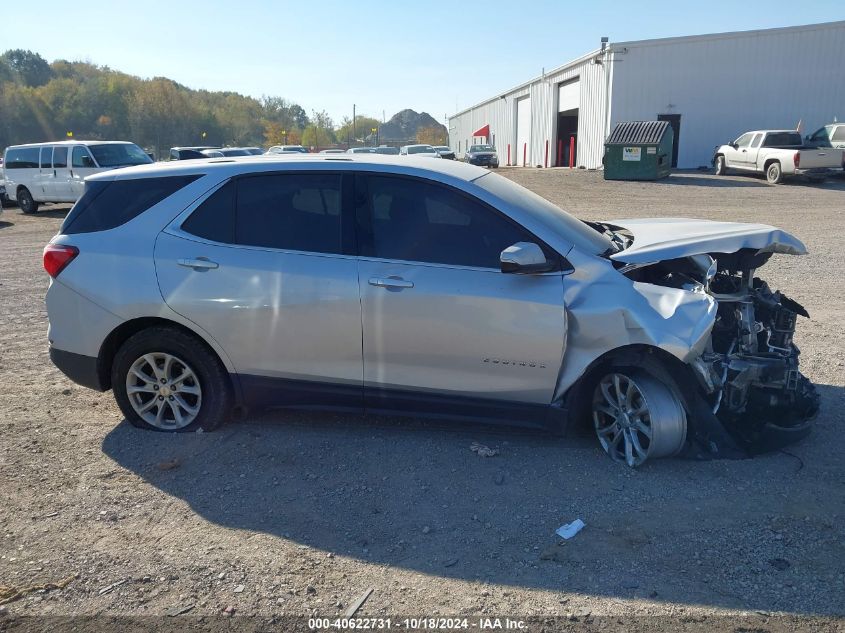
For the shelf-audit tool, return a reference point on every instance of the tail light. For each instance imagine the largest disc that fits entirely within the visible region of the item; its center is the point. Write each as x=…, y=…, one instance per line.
x=797, y=159
x=57, y=257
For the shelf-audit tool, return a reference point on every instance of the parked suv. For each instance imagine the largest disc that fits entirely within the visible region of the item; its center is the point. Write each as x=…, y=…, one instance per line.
x=424, y=287
x=54, y=172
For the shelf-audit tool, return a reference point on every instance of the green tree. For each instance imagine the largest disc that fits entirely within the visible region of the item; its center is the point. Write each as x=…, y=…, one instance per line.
x=30, y=68
x=363, y=129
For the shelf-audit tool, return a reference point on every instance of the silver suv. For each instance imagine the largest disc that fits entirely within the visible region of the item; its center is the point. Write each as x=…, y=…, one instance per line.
x=192, y=289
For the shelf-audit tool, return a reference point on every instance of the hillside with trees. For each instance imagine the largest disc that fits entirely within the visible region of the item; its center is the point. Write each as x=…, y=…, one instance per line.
x=41, y=101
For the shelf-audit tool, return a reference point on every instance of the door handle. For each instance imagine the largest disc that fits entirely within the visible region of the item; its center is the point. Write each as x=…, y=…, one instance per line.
x=391, y=282
x=200, y=263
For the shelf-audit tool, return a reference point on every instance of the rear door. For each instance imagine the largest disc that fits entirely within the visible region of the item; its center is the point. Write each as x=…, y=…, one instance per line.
x=265, y=266
x=44, y=184
x=444, y=330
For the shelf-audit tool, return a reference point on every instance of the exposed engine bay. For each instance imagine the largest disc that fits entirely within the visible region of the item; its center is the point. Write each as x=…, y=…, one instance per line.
x=749, y=369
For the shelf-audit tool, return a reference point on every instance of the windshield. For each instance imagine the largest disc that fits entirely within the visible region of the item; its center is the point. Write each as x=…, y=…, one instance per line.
x=234, y=152
x=254, y=151
x=482, y=148
x=421, y=149
x=568, y=226
x=387, y=150
x=119, y=155
x=782, y=139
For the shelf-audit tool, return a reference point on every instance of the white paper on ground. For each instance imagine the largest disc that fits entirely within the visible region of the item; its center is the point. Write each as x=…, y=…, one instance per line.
x=570, y=529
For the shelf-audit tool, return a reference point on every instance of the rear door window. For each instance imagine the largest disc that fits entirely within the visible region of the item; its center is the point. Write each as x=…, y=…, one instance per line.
x=46, y=158
x=839, y=134
x=59, y=156
x=300, y=212
x=107, y=204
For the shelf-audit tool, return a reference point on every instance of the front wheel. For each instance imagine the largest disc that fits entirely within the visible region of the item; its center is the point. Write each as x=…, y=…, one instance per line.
x=26, y=202
x=636, y=417
x=720, y=168
x=166, y=380
x=774, y=174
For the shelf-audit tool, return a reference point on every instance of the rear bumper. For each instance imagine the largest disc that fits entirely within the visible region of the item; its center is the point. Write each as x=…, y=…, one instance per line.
x=817, y=172
x=79, y=368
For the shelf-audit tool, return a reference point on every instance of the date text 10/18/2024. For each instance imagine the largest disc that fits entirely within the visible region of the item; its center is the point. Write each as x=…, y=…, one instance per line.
x=414, y=624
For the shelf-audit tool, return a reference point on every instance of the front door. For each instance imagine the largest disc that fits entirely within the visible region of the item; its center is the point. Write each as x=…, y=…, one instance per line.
x=675, y=121
x=263, y=265
x=61, y=183
x=44, y=182
x=443, y=329
x=82, y=165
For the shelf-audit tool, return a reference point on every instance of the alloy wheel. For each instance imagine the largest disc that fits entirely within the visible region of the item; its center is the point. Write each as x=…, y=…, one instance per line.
x=164, y=391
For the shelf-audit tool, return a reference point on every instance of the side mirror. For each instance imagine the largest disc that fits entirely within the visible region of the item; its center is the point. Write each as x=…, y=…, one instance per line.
x=734, y=145
x=524, y=258
x=87, y=161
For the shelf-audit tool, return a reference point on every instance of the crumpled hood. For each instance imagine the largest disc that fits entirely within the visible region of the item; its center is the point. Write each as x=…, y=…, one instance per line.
x=657, y=239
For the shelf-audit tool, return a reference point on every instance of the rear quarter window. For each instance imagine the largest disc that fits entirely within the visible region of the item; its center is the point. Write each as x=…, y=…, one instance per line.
x=21, y=158
x=108, y=204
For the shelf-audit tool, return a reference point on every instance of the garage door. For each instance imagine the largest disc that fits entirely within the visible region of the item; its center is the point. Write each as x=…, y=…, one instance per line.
x=523, y=131
x=568, y=95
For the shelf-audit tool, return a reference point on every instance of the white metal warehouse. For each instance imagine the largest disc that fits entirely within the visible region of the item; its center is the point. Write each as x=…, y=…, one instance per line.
x=710, y=88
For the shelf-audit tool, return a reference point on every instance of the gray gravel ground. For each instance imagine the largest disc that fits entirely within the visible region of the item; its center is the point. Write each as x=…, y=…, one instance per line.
x=298, y=514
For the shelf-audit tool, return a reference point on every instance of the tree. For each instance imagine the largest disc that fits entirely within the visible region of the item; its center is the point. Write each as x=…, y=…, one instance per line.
x=432, y=136
x=363, y=129
x=320, y=133
x=30, y=68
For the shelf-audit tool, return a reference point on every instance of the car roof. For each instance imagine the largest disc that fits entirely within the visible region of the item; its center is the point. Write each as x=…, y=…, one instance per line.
x=233, y=166
x=79, y=142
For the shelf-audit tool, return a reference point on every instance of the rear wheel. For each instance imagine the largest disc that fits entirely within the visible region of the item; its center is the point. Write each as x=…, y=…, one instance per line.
x=774, y=174
x=636, y=417
x=166, y=380
x=26, y=202
x=720, y=168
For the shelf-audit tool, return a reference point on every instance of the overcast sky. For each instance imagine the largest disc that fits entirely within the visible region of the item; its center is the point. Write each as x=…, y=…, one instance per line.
x=429, y=55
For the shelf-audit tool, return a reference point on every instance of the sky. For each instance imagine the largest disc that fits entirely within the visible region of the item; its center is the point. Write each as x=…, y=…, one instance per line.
x=383, y=56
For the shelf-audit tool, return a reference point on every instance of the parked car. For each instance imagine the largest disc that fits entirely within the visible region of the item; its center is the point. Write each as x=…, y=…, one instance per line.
x=189, y=153
x=445, y=152
x=831, y=135
x=777, y=154
x=480, y=301
x=387, y=151
x=287, y=149
x=254, y=151
x=224, y=152
x=54, y=172
x=361, y=150
x=333, y=151
x=484, y=155
x=419, y=150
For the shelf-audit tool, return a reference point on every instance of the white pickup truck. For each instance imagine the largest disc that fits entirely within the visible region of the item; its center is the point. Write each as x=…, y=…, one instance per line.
x=777, y=153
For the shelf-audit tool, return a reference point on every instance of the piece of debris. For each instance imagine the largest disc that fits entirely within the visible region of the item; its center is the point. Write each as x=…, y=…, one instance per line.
x=569, y=530
x=172, y=613
x=451, y=562
x=483, y=451
x=239, y=589
x=353, y=608
x=426, y=530
x=10, y=594
x=230, y=610
x=311, y=589
x=112, y=587
x=169, y=465
x=49, y=516
x=781, y=564
x=65, y=392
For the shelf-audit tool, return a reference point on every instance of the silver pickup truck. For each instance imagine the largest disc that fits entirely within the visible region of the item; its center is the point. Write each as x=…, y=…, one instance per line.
x=777, y=153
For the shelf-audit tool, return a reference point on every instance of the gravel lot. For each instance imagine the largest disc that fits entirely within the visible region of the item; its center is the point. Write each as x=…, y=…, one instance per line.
x=299, y=514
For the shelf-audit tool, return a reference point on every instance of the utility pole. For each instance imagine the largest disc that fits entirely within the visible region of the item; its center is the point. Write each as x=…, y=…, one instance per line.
x=354, y=135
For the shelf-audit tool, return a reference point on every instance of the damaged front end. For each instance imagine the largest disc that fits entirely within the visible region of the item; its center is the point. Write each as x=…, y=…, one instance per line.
x=748, y=371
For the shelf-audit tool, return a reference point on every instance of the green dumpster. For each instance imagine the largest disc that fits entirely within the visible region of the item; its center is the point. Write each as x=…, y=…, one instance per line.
x=638, y=150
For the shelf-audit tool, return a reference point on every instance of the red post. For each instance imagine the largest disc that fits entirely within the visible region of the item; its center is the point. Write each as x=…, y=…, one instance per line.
x=560, y=152
x=524, y=154
x=547, y=153
x=509, y=154
x=571, y=151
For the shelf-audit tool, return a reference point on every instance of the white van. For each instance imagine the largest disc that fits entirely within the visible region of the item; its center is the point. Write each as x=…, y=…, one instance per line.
x=54, y=172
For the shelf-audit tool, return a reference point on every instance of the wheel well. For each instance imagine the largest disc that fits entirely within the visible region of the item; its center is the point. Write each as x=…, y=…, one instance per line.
x=21, y=187
x=121, y=334
x=769, y=162
x=659, y=363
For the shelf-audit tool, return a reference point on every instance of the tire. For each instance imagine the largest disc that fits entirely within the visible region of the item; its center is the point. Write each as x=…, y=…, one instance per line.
x=26, y=202
x=153, y=364
x=720, y=168
x=774, y=173
x=637, y=417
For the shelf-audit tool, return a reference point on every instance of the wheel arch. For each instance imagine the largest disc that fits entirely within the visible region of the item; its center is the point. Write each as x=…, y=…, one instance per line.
x=769, y=162
x=119, y=335
x=656, y=361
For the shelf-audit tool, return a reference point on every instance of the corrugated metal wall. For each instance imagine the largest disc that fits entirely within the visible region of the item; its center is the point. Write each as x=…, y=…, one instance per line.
x=500, y=114
x=723, y=85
